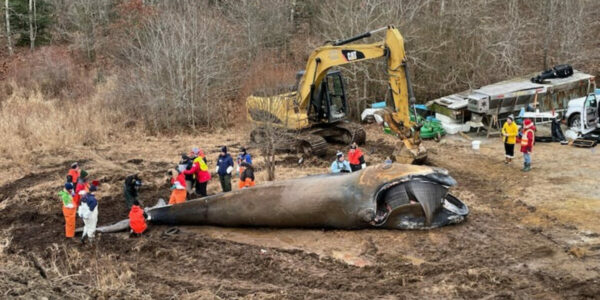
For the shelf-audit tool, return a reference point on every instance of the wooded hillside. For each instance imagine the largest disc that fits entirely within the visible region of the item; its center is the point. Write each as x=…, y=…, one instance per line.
x=191, y=63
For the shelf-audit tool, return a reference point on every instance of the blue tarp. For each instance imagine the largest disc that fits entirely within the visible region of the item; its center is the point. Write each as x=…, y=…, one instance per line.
x=421, y=106
x=378, y=104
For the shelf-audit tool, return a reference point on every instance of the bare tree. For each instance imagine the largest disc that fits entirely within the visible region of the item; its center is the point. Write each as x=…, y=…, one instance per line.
x=181, y=62
x=263, y=24
x=455, y=45
x=84, y=22
x=267, y=135
x=269, y=78
x=32, y=26
x=548, y=12
x=8, y=33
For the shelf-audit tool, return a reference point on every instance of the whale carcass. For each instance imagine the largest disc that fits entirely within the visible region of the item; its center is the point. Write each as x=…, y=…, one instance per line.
x=393, y=196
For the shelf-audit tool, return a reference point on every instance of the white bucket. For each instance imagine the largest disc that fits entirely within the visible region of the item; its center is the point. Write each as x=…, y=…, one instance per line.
x=476, y=144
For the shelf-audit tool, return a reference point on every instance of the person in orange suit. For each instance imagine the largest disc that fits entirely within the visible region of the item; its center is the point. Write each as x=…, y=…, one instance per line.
x=247, y=176
x=68, y=208
x=137, y=219
x=178, y=191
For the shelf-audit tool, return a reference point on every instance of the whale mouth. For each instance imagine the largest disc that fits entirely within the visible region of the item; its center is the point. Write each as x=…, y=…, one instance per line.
x=418, y=197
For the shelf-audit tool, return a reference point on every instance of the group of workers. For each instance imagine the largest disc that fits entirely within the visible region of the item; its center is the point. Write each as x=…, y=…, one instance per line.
x=355, y=162
x=510, y=132
x=78, y=199
x=189, y=178
x=192, y=171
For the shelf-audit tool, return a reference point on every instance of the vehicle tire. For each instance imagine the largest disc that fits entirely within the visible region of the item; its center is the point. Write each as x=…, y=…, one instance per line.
x=304, y=149
x=347, y=138
x=575, y=121
x=257, y=136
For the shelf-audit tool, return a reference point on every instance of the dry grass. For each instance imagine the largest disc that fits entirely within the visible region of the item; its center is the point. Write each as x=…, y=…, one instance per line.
x=80, y=272
x=32, y=125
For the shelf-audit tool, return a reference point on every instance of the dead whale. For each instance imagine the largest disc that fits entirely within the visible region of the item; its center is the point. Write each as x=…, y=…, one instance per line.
x=393, y=196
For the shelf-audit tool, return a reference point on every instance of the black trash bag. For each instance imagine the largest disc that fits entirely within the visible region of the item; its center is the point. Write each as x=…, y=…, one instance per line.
x=559, y=71
x=563, y=71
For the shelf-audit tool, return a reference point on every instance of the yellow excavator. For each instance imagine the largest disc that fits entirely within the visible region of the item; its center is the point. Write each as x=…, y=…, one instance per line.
x=315, y=112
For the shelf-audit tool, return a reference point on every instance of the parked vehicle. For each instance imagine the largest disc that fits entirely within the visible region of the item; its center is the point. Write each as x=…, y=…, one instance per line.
x=514, y=94
x=510, y=96
x=583, y=122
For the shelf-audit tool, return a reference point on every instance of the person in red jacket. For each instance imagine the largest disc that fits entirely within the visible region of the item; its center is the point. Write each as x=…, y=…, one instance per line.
x=356, y=158
x=200, y=169
x=73, y=174
x=82, y=185
x=137, y=219
x=527, y=140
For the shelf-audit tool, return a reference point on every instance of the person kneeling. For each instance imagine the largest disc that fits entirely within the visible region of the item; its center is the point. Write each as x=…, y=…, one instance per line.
x=137, y=219
x=340, y=165
x=247, y=176
x=178, y=191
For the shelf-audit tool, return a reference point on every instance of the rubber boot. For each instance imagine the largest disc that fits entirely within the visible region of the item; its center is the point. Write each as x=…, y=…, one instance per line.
x=528, y=167
x=524, y=167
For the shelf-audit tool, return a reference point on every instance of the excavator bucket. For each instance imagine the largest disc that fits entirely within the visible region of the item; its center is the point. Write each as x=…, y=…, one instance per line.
x=408, y=153
x=409, y=149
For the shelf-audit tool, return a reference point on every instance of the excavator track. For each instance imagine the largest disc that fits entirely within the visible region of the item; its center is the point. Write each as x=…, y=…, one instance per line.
x=307, y=144
x=311, y=144
x=356, y=132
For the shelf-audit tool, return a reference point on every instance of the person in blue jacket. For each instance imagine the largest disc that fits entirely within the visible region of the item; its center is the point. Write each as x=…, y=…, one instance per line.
x=340, y=165
x=243, y=157
x=224, y=168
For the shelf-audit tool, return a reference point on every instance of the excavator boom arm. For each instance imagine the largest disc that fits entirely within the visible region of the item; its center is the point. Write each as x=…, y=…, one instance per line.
x=325, y=57
x=342, y=52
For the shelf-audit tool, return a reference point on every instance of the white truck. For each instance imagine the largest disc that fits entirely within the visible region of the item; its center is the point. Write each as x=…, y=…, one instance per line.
x=582, y=113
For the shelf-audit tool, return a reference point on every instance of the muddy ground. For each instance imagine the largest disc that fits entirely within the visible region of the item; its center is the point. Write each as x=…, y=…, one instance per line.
x=534, y=235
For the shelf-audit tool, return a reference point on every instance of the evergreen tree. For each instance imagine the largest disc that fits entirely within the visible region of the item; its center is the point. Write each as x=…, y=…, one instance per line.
x=19, y=21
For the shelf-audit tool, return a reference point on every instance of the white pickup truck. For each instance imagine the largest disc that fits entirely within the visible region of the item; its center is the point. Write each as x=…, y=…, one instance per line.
x=588, y=120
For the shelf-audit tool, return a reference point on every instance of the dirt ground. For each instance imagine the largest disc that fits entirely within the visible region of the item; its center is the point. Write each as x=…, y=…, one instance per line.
x=529, y=236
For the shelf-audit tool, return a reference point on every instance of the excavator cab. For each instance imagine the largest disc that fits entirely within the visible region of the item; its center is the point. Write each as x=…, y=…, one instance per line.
x=328, y=104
